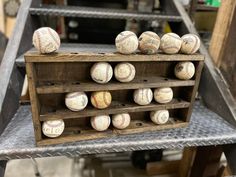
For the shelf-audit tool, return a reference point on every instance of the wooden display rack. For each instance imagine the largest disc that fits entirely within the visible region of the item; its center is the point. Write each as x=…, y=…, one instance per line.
x=52, y=76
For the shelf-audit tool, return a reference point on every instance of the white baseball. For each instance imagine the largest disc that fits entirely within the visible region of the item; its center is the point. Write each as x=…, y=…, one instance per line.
x=126, y=42
x=76, y=101
x=121, y=121
x=184, y=70
x=160, y=116
x=149, y=42
x=190, y=44
x=46, y=40
x=170, y=43
x=101, y=72
x=143, y=96
x=53, y=128
x=163, y=95
x=124, y=72
x=100, y=123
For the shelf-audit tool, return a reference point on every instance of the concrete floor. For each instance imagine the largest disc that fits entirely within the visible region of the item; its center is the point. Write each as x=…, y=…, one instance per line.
x=48, y=167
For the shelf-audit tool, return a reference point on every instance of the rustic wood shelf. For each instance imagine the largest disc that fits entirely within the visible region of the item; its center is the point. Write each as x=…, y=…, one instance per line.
x=140, y=82
x=115, y=108
x=87, y=133
x=51, y=76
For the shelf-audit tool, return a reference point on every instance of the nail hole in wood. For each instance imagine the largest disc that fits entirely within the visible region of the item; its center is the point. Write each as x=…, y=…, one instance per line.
x=53, y=110
x=139, y=124
x=145, y=80
x=73, y=53
x=76, y=131
x=101, y=53
x=75, y=83
x=123, y=104
x=50, y=83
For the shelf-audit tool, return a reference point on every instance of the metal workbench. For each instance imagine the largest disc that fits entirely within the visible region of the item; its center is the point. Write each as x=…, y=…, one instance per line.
x=16, y=140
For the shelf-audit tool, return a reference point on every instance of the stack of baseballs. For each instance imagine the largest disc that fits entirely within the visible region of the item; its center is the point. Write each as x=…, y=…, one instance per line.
x=149, y=42
x=46, y=41
x=163, y=95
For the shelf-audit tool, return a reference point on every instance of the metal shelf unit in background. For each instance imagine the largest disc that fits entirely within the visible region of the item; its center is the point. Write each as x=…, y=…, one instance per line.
x=212, y=89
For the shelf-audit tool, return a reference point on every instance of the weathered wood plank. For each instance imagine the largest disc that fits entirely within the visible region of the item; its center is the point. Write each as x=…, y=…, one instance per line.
x=108, y=57
x=141, y=82
x=115, y=108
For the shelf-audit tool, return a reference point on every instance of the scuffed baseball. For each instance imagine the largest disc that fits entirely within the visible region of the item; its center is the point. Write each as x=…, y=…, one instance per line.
x=126, y=42
x=101, y=99
x=184, y=70
x=170, y=43
x=121, y=121
x=76, y=101
x=149, y=42
x=163, y=95
x=100, y=123
x=159, y=117
x=124, y=72
x=101, y=72
x=190, y=44
x=143, y=96
x=53, y=128
x=46, y=40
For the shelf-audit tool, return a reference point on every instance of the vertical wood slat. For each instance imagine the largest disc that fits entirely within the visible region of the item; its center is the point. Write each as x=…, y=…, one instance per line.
x=35, y=105
x=186, y=161
x=221, y=30
x=195, y=88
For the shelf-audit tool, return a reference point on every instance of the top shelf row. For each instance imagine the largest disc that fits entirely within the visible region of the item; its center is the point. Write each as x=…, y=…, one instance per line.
x=109, y=57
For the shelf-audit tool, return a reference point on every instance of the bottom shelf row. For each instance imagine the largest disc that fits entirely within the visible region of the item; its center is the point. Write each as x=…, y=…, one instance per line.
x=69, y=130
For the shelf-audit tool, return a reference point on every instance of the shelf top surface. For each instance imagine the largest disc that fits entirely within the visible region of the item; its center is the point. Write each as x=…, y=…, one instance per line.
x=205, y=128
x=110, y=57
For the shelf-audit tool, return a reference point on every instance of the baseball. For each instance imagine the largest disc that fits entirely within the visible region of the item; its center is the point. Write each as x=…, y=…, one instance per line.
x=100, y=123
x=170, y=43
x=121, y=121
x=124, y=72
x=184, y=70
x=76, y=101
x=126, y=42
x=160, y=116
x=163, y=95
x=101, y=99
x=190, y=44
x=46, y=40
x=143, y=96
x=53, y=128
x=101, y=72
x=149, y=42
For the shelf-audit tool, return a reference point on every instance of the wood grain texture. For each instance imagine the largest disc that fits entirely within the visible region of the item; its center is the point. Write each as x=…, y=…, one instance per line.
x=186, y=161
x=162, y=167
x=108, y=57
x=35, y=105
x=115, y=108
x=140, y=82
x=221, y=30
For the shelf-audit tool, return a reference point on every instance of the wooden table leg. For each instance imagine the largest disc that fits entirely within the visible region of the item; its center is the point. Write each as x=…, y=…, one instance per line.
x=207, y=161
x=3, y=164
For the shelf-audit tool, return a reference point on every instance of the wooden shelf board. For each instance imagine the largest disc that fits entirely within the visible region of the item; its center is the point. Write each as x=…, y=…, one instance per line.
x=108, y=57
x=72, y=134
x=115, y=108
x=140, y=82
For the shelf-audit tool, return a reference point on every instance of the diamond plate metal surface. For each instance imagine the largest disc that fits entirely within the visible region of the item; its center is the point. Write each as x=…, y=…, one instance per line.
x=206, y=128
x=88, y=12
